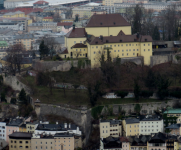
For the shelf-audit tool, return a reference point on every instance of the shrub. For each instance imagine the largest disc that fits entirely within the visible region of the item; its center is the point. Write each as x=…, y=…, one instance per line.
x=146, y=94
x=122, y=94
x=54, y=58
x=176, y=94
x=13, y=101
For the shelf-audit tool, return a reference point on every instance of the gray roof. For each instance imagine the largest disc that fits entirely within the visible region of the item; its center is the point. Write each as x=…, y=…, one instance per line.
x=56, y=127
x=132, y=120
x=63, y=135
x=24, y=36
x=15, y=122
x=174, y=126
x=112, y=121
x=20, y=135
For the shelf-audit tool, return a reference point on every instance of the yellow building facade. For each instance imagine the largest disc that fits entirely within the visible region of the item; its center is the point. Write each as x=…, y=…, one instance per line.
x=48, y=19
x=109, y=30
x=22, y=128
x=20, y=140
x=110, y=128
x=130, y=127
x=14, y=14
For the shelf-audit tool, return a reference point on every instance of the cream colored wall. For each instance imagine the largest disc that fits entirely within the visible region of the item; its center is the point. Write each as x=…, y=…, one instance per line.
x=69, y=42
x=118, y=49
x=22, y=129
x=146, y=52
x=30, y=21
x=26, y=43
x=81, y=13
x=16, y=146
x=104, y=129
x=132, y=129
x=42, y=144
x=107, y=31
x=30, y=128
x=81, y=51
x=67, y=142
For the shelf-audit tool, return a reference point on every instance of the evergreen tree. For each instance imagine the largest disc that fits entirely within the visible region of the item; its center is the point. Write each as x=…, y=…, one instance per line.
x=136, y=90
x=150, y=80
x=162, y=87
x=22, y=98
x=137, y=19
x=43, y=49
x=156, y=34
x=3, y=99
x=176, y=33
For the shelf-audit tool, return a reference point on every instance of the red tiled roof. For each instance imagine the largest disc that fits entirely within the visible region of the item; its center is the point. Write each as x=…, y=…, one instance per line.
x=79, y=45
x=48, y=17
x=64, y=23
x=41, y=2
x=64, y=50
x=25, y=10
x=124, y=139
x=76, y=33
x=106, y=20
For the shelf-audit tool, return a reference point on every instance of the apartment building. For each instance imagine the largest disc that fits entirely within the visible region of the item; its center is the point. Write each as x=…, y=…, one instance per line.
x=64, y=141
x=174, y=113
x=12, y=25
x=26, y=40
x=150, y=124
x=109, y=30
x=22, y=128
x=48, y=19
x=57, y=128
x=110, y=128
x=81, y=12
x=157, y=141
x=14, y=14
x=43, y=141
x=20, y=140
x=131, y=127
x=3, y=130
x=20, y=20
x=30, y=127
x=175, y=129
x=42, y=25
x=13, y=126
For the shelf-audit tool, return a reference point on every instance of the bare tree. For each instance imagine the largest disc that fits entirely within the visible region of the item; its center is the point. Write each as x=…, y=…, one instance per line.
x=51, y=43
x=56, y=17
x=76, y=54
x=14, y=58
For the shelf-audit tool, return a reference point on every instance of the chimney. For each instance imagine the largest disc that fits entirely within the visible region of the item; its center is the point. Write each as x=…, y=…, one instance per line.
x=65, y=125
x=69, y=125
x=57, y=122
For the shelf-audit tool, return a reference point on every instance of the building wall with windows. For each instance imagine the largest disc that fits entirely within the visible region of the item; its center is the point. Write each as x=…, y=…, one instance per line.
x=30, y=128
x=3, y=130
x=24, y=144
x=42, y=143
x=64, y=143
x=69, y=42
x=10, y=130
x=148, y=127
x=156, y=146
x=110, y=128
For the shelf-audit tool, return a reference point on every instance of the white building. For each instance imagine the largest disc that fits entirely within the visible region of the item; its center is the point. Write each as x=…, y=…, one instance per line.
x=3, y=130
x=11, y=25
x=52, y=129
x=150, y=124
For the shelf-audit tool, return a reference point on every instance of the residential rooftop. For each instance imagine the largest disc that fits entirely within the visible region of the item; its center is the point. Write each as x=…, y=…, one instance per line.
x=20, y=135
x=173, y=111
x=111, y=121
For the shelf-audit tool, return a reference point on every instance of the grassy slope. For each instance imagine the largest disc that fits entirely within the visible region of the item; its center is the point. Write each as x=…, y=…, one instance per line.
x=73, y=97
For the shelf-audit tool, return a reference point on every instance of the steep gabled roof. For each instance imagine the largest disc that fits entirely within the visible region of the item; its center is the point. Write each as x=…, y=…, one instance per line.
x=79, y=45
x=107, y=20
x=76, y=33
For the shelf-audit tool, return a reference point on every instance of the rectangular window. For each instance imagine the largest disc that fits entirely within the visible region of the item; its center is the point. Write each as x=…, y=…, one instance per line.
x=144, y=44
x=20, y=141
x=110, y=45
x=137, y=49
x=127, y=54
x=133, y=53
x=144, y=50
x=118, y=45
x=114, y=50
x=114, y=45
x=94, y=52
x=129, y=44
x=26, y=146
x=74, y=42
x=96, y=46
x=122, y=54
x=118, y=50
x=80, y=41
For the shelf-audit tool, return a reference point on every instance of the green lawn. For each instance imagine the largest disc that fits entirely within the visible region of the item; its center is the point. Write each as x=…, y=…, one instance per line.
x=73, y=97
